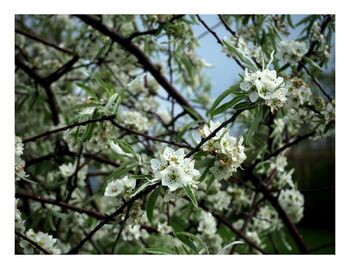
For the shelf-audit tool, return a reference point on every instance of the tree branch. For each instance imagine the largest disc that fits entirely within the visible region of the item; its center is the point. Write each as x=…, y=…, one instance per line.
x=216, y=37
x=298, y=239
x=76, y=249
x=153, y=31
x=33, y=243
x=143, y=60
x=222, y=125
x=43, y=41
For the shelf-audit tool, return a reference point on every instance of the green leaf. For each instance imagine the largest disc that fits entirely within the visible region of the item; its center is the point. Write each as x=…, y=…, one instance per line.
x=107, y=88
x=246, y=105
x=186, y=62
x=190, y=243
x=192, y=112
x=151, y=202
x=211, y=180
x=254, y=125
x=88, y=132
x=125, y=146
x=136, y=79
x=122, y=170
x=111, y=102
x=206, y=171
x=190, y=194
x=229, y=104
x=222, y=96
x=144, y=186
x=244, y=59
x=313, y=64
x=147, y=177
x=88, y=90
x=160, y=251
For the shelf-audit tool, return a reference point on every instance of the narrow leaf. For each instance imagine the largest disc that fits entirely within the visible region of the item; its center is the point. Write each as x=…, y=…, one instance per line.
x=190, y=194
x=151, y=202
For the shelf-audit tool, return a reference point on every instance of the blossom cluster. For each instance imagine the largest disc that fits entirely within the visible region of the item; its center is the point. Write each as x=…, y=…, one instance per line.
x=292, y=201
x=44, y=240
x=266, y=85
x=228, y=150
x=19, y=162
x=174, y=170
x=120, y=186
x=136, y=120
x=291, y=51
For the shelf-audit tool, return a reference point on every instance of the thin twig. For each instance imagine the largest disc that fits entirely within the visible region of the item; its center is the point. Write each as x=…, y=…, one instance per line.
x=222, y=125
x=143, y=60
x=33, y=243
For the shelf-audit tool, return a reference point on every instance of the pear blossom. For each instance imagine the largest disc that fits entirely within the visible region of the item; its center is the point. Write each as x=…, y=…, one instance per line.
x=207, y=223
x=136, y=120
x=174, y=170
x=228, y=149
x=292, y=201
x=67, y=170
x=266, y=85
x=46, y=241
x=291, y=51
x=119, y=186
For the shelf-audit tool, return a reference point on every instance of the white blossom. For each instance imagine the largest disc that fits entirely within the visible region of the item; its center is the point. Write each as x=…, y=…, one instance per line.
x=44, y=240
x=174, y=170
x=136, y=120
x=119, y=186
x=266, y=85
x=292, y=201
x=18, y=146
x=67, y=170
x=228, y=149
x=131, y=232
x=207, y=223
x=291, y=51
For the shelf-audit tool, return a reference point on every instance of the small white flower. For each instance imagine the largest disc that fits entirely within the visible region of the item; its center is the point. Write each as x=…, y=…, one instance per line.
x=44, y=240
x=266, y=85
x=291, y=51
x=67, y=170
x=136, y=120
x=292, y=201
x=173, y=156
x=114, y=188
x=18, y=146
x=174, y=177
x=207, y=223
x=119, y=186
x=173, y=169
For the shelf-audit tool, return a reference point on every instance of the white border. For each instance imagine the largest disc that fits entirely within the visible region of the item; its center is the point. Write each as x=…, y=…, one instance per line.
x=187, y=7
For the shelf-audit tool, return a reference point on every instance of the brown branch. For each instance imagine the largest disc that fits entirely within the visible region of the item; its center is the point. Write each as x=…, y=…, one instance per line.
x=149, y=137
x=248, y=218
x=143, y=60
x=33, y=243
x=42, y=82
x=318, y=84
x=43, y=41
x=91, y=213
x=48, y=133
x=216, y=37
x=222, y=125
x=325, y=22
x=298, y=239
x=155, y=30
x=228, y=224
x=76, y=249
x=228, y=28
x=278, y=151
x=56, y=75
